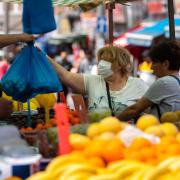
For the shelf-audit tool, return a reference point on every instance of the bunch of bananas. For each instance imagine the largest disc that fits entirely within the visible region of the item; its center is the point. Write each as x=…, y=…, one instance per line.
x=67, y=167
x=75, y=167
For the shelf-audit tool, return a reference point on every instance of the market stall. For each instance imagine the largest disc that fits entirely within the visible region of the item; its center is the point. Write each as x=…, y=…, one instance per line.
x=149, y=35
x=110, y=4
x=100, y=147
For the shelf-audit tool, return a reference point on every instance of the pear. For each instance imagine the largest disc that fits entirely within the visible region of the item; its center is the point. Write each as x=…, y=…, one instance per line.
x=178, y=114
x=169, y=117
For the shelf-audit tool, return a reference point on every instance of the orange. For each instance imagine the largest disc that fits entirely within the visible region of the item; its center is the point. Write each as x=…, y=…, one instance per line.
x=78, y=141
x=168, y=140
x=47, y=125
x=147, y=153
x=113, y=151
x=131, y=154
x=23, y=129
x=94, y=130
x=162, y=157
x=152, y=161
x=95, y=148
x=96, y=161
x=53, y=122
x=146, y=121
x=173, y=149
x=29, y=129
x=161, y=149
x=13, y=178
x=139, y=143
x=39, y=126
x=111, y=124
x=178, y=137
x=169, y=129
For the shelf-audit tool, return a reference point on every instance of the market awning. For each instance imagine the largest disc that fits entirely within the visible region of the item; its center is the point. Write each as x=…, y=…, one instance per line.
x=122, y=39
x=177, y=29
x=144, y=37
x=83, y=4
x=86, y=5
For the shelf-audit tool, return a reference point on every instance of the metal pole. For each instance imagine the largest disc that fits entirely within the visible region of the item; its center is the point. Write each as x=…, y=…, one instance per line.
x=6, y=17
x=171, y=19
x=100, y=36
x=6, y=22
x=110, y=8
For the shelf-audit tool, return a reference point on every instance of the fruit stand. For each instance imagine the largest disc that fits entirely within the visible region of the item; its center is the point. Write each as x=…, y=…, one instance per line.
x=112, y=149
x=57, y=144
x=105, y=148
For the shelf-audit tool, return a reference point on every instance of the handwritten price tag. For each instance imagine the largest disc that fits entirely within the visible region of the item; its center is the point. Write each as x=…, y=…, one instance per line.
x=61, y=115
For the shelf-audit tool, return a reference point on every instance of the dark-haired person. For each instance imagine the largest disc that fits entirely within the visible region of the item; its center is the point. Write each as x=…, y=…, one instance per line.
x=164, y=94
x=5, y=40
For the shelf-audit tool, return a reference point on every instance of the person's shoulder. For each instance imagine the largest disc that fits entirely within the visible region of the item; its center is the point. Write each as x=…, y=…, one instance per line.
x=136, y=80
x=164, y=80
x=93, y=79
x=137, y=83
x=161, y=83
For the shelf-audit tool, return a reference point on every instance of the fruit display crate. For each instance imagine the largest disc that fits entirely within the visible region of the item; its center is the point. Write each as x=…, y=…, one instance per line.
x=44, y=140
x=19, y=118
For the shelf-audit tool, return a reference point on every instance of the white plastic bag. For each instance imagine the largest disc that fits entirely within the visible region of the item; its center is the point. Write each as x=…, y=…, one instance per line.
x=131, y=132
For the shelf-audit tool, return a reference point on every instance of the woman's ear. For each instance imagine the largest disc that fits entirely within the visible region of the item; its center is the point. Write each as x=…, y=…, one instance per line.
x=166, y=64
x=115, y=66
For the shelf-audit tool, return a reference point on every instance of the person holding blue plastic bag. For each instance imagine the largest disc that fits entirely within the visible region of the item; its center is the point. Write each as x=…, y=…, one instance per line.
x=5, y=40
x=113, y=88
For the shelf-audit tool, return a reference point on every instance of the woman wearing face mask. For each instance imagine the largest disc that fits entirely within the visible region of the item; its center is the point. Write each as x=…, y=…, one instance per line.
x=114, y=68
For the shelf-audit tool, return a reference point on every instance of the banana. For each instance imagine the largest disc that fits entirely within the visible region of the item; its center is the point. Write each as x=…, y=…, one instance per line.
x=139, y=174
x=109, y=176
x=176, y=165
x=177, y=175
x=162, y=168
x=115, y=166
x=154, y=173
x=80, y=176
x=166, y=163
x=102, y=170
x=76, y=169
x=128, y=170
x=64, y=160
x=42, y=175
x=59, y=171
x=119, y=171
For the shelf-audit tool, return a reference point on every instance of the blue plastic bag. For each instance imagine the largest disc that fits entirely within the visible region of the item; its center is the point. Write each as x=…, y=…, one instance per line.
x=30, y=74
x=38, y=16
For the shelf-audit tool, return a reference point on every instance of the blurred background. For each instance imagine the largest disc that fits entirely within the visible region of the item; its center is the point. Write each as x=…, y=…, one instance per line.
x=80, y=34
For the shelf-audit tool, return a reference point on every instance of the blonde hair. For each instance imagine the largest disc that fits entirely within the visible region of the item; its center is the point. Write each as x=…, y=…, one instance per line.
x=118, y=56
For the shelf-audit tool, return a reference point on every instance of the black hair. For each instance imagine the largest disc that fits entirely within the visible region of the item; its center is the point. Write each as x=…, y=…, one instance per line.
x=167, y=50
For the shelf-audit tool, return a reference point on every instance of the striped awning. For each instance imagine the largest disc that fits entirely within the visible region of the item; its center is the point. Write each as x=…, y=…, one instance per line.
x=144, y=37
x=83, y=4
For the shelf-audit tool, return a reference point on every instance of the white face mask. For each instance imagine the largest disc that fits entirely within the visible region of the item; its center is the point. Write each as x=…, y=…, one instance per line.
x=104, y=69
